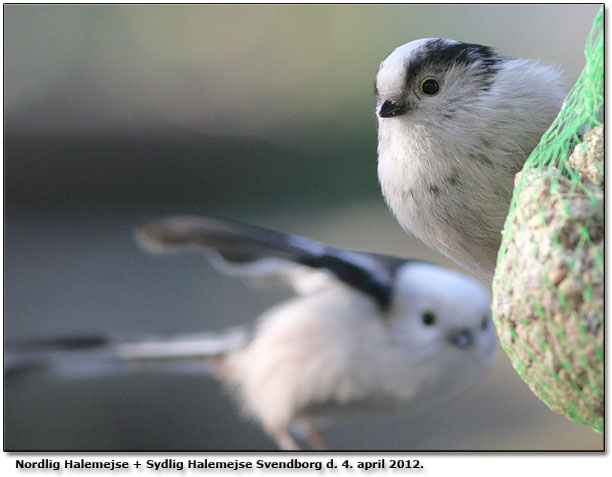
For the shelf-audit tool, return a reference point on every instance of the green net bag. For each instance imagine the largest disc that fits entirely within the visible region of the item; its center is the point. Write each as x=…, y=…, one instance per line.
x=548, y=295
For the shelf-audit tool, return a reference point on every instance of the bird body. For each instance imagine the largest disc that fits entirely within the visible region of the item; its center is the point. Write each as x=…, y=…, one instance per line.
x=365, y=332
x=456, y=123
x=353, y=355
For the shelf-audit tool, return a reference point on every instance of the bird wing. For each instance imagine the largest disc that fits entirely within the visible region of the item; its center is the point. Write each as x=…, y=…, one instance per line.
x=275, y=257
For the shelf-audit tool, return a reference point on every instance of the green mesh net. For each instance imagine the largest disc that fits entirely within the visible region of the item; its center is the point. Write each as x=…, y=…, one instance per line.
x=548, y=289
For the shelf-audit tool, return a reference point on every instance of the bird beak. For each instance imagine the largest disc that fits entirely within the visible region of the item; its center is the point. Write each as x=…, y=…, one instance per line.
x=390, y=109
x=462, y=338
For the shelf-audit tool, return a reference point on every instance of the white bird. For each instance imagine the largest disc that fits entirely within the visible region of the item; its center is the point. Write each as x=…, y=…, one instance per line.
x=456, y=122
x=366, y=332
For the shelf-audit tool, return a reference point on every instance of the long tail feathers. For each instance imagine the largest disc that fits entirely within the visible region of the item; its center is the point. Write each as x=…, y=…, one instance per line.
x=94, y=356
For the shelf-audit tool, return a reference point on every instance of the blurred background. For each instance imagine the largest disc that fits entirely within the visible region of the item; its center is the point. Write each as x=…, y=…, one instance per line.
x=116, y=114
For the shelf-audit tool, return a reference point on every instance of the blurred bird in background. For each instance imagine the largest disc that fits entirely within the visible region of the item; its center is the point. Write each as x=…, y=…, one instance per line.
x=366, y=333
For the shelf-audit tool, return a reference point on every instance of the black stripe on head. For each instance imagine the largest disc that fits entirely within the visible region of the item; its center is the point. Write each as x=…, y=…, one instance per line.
x=440, y=54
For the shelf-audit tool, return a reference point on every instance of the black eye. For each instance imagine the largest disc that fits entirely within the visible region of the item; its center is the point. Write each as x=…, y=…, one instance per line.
x=430, y=86
x=484, y=324
x=429, y=318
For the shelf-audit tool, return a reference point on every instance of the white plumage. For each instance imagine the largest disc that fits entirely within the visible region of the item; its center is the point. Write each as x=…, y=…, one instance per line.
x=447, y=160
x=368, y=333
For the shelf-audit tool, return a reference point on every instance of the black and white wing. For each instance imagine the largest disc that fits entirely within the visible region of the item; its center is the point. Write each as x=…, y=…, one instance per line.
x=273, y=257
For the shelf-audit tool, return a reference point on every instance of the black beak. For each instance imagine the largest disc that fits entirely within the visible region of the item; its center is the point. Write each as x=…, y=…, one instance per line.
x=389, y=109
x=462, y=338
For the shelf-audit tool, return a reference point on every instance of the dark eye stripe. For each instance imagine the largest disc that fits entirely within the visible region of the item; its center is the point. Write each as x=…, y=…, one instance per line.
x=439, y=55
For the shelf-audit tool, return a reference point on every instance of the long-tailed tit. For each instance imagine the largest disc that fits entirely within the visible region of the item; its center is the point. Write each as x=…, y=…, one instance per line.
x=366, y=332
x=456, y=122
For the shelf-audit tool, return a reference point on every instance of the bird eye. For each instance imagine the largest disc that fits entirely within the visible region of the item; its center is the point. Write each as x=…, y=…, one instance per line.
x=484, y=324
x=429, y=318
x=430, y=86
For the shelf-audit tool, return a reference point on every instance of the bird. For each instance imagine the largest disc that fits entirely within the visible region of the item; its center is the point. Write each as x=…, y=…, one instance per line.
x=456, y=122
x=364, y=333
